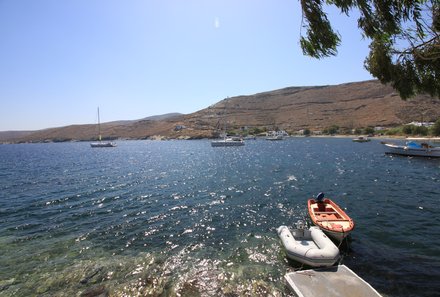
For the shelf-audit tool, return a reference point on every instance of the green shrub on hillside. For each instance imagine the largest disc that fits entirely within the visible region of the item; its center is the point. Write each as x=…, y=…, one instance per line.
x=358, y=131
x=394, y=131
x=415, y=130
x=420, y=130
x=407, y=129
x=369, y=130
x=435, y=130
x=331, y=130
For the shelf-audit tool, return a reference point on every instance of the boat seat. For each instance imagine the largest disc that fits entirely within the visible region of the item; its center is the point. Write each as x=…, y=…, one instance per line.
x=329, y=212
x=338, y=220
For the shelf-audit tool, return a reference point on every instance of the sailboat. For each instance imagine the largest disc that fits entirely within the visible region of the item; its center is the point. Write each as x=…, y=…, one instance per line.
x=101, y=143
x=227, y=140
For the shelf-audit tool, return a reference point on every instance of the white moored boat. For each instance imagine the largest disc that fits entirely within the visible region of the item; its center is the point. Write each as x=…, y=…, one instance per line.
x=361, y=139
x=225, y=140
x=228, y=141
x=413, y=149
x=101, y=143
x=309, y=246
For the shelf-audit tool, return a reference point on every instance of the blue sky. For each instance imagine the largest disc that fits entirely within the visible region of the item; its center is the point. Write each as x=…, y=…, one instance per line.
x=60, y=60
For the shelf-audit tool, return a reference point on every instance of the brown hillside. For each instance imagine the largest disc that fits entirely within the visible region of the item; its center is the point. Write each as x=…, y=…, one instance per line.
x=351, y=105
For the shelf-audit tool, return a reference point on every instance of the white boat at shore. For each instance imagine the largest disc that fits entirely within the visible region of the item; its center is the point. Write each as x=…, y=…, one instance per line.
x=361, y=139
x=273, y=138
x=412, y=148
x=308, y=246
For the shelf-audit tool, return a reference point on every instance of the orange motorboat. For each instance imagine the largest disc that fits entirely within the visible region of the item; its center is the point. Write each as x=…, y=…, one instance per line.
x=328, y=216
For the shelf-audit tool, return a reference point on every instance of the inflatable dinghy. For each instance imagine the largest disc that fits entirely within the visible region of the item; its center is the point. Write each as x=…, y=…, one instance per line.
x=309, y=246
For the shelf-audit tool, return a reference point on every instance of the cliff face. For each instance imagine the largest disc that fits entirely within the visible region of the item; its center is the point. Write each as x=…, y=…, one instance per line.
x=351, y=105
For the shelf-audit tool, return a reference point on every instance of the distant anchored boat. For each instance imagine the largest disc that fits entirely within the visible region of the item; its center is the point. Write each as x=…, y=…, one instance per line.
x=225, y=140
x=101, y=143
x=361, y=139
x=413, y=148
x=228, y=141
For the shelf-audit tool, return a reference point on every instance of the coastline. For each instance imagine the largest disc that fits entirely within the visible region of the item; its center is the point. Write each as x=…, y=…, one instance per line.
x=181, y=137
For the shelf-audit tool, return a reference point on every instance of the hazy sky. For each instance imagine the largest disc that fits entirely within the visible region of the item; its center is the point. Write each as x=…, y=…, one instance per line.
x=61, y=59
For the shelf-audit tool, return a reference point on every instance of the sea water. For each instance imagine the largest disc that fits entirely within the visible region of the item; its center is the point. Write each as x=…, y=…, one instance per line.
x=181, y=218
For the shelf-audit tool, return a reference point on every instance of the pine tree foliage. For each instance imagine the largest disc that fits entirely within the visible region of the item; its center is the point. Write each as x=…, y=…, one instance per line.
x=404, y=40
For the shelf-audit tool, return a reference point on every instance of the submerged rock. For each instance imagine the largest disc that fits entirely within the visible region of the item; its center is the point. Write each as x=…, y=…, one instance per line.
x=4, y=284
x=96, y=291
x=89, y=277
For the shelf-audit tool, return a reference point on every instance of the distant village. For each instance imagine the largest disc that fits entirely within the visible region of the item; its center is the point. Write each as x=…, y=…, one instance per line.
x=378, y=130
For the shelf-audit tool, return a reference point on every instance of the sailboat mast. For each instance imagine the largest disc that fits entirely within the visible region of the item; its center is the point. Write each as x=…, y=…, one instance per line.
x=99, y=126
x=225, y=120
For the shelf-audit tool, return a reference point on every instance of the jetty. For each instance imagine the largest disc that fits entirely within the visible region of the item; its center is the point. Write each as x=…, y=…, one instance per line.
x=336, y=281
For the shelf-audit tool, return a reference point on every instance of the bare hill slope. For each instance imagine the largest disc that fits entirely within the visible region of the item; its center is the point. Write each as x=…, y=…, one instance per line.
x=351, y=105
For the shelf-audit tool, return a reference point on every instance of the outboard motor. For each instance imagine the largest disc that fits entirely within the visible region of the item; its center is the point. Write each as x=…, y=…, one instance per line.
x=320, y=197
x=299, y=230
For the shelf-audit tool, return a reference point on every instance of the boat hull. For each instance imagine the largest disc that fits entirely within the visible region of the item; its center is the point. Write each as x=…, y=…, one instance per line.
x=361, y=139
x=328, y=216
x=408, y=151
x=275, y=138
x=102, y=144
x=309, y=246
x=220, y=143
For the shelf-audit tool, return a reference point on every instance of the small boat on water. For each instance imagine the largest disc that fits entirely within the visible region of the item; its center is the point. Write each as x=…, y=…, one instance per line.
x=308, y=246
x=101, y=143
x=361, y=139
x=413, y=148
x=328, y=216
x=274, y=138
x=225, y=140
x=228, y=141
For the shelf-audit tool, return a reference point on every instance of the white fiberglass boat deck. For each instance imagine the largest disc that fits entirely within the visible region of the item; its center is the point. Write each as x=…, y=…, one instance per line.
x=337, y=281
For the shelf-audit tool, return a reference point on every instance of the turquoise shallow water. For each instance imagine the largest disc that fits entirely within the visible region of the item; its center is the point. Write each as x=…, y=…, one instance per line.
x=180, y=218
